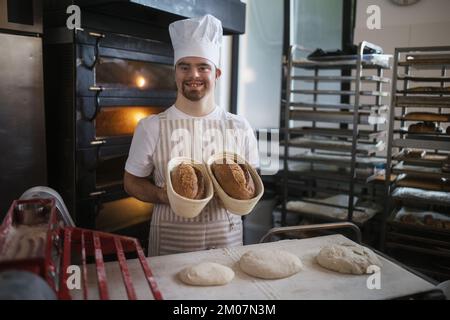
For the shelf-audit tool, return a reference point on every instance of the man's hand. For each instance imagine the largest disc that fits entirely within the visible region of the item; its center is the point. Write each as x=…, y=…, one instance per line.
x=162, y=195
x=141, y=188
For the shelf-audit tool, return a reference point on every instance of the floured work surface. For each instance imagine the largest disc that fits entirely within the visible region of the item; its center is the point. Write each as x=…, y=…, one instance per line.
x=313, y=282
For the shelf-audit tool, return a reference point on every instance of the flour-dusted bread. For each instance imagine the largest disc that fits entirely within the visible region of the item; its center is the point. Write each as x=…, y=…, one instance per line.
x=235, y=179
x=347, y=258
x=188, y=181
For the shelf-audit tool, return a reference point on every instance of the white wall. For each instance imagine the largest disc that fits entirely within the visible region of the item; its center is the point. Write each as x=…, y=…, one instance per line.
x=426, y=23
x=223, y=88
x=260, y=50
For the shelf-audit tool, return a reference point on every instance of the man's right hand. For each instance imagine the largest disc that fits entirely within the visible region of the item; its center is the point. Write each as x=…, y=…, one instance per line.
x=141, y=188
x=162, y=195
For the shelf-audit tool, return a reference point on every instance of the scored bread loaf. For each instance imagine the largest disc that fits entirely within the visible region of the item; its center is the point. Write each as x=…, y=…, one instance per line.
x=235, y=179
x=188, y=181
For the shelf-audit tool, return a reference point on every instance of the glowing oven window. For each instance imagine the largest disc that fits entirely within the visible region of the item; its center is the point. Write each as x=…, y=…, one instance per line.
x=121, y=121
x=129, y=74
x=123, y=213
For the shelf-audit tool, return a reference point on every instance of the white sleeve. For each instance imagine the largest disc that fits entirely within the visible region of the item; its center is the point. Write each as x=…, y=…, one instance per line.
x=143, y=145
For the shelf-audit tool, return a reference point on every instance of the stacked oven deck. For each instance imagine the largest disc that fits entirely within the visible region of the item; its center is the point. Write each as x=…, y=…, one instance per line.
x=98, y=86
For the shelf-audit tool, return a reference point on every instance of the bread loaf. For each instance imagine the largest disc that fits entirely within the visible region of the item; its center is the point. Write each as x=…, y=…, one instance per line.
x=415, y=153
x=424, y=127
x=235, y=179
x=188, y=181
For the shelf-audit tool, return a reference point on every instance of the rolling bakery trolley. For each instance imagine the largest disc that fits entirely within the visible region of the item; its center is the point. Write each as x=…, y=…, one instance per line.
x=331, y=149
x=37, y=235
x=417, y=219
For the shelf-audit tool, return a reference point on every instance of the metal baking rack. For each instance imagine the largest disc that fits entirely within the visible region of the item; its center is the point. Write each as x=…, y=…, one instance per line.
x=420, y=84
x=338, y=142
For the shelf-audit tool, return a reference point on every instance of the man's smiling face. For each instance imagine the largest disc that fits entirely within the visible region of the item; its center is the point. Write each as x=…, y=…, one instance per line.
x=195, y=77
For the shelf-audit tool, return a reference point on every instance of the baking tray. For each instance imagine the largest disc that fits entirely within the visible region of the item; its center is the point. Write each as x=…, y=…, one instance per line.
x=422, y=144
x=341, y=160
x=371, y=78
x=425, y=183
x=329, y=175
x=432, y=117
x=335, y=207
x=420, y=195
x=426, y=160
x=340, y=146
x=335, y=132
x=313, y=282
x=423, y=79
x=426, y=61
x=337, y=117
x=422, y=101
x=369, y=61
x=426, y=90
x=439, y=135
x=339, y=106
x=420, y=171
x=342, y=93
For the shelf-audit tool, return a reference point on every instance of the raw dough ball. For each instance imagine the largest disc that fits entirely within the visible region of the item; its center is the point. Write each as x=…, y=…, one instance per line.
x=206, y=274
x=270, y=264
x=347, y=258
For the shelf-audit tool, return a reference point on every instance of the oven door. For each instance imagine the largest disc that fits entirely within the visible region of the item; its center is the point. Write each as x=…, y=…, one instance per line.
x=115, y=120
x=117, y=213
x=120, y=80
x=100, y=170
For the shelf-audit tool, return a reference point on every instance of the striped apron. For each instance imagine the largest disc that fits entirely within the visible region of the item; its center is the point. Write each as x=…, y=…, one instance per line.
x=214, y=227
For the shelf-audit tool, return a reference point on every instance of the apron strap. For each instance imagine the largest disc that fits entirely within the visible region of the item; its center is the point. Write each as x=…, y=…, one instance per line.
x=162, y=116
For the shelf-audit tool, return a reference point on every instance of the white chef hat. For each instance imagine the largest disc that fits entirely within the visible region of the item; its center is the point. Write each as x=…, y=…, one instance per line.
x=197, y=37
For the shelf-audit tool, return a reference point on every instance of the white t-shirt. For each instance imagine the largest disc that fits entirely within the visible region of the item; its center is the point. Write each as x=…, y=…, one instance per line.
x=146, y=137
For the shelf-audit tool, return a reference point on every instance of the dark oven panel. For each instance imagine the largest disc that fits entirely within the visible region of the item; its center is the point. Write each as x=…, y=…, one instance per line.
x=100, y=170
x=119, y=81
x=117, y=213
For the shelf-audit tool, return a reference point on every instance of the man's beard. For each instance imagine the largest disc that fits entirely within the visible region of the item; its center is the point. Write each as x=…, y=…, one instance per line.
x=193, y=95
